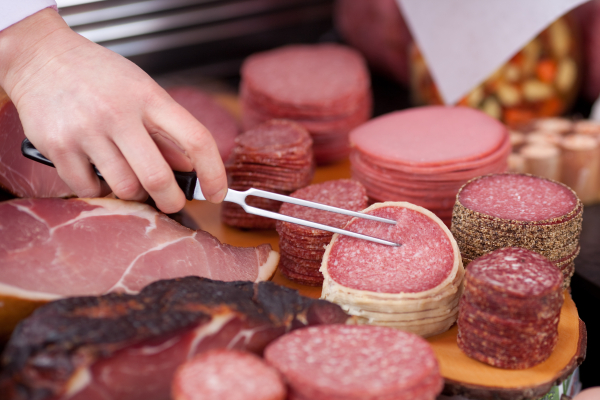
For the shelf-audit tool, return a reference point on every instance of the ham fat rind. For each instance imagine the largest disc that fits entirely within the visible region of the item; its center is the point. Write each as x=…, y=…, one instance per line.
x=121, y=346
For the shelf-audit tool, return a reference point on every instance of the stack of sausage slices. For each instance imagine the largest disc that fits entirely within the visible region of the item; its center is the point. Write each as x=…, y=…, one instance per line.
x=510, y=310
x=326, y=88
x=517, y=210
x=414, y=286
x=302, y=248
x=424, y=155
x=275, y=156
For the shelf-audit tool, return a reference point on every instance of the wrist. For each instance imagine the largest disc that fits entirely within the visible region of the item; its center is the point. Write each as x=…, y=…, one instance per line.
x=24, y=44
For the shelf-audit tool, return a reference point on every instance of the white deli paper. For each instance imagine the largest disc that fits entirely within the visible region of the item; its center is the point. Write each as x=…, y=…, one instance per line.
x=465, y=41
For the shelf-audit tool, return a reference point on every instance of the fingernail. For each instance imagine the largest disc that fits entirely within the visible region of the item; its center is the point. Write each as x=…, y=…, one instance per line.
x=219, y=196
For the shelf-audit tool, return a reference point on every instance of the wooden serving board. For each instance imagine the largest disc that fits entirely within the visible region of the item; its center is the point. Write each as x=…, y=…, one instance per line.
x=463, y=376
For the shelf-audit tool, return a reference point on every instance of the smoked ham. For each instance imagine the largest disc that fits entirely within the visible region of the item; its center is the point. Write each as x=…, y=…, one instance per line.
x=53, y=248
x=122, y=346
x=19, y=175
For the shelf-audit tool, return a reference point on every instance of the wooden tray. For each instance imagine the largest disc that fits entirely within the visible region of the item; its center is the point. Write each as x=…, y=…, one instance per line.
x=463, y=375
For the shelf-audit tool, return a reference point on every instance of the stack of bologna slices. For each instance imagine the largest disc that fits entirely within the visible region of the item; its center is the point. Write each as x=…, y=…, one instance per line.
x=326, y=88
x=335, y=362
x=517, y=210
x=424, y=155
x=510, y=309
x=275, y=156
x=415, y=286
x=302, y=248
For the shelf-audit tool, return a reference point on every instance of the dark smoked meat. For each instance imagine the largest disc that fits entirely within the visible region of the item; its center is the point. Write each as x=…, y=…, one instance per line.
x=122, y=346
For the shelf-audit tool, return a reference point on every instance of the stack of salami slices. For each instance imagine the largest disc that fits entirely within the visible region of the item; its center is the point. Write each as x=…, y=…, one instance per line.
x=302, y=248
x=510, y=309
x=424, y=155
x=356, y=362
x=275, y=156
x=325, y=88
x=518, y=210
x=415, y=286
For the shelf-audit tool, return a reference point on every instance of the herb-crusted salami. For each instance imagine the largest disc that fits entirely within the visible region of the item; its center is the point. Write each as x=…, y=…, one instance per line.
x=356, y=362
x=510, y=310
x=518, y=210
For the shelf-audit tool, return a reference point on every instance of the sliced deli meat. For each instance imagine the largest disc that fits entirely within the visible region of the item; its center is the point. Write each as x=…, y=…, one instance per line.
x=302, y=247
x=127, y=347
x=227, y=374
x=221, y=124
x=510, y=309
x=325, y=88
x=356, y=362
x=53, y=248
x=519, y=210
x=19, y=175
x=275, y=156
x=414, y=286
x=424, y=155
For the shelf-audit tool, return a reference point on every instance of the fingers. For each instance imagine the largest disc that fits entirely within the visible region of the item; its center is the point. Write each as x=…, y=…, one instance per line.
x=174, y=122
x=152, y=171
x=75, y=169
x=174, y=155
x=115, y=169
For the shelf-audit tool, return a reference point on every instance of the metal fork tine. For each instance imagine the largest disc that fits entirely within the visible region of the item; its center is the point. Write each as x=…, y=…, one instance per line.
x=306, y=203
x=287, y=218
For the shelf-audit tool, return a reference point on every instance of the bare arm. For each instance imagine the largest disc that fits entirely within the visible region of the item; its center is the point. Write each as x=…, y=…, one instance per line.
x=81, y=104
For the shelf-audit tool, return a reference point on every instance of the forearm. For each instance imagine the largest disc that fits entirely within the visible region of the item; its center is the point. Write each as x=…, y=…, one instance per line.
x=24, y=44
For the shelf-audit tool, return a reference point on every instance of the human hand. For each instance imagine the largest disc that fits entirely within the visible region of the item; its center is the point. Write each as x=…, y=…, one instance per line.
x=81, y=104
x=589, y=394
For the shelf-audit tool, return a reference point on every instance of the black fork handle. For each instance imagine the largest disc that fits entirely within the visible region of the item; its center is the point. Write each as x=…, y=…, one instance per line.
x=185, y=180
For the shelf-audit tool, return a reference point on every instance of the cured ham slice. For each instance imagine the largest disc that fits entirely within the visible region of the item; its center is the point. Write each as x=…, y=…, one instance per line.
x=121, y=346
x=19, y=175
x=53, y=248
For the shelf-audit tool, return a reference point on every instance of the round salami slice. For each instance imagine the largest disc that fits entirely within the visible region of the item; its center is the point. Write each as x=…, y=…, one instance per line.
x=518, y=197
x=221, y=124
x=356, y=362
x=227, y=374
x=425, y=259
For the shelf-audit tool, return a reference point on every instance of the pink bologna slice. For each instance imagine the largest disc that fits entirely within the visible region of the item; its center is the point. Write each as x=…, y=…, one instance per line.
x=430, y=136
x=356, y=362
x=227, y=374
x=427, y=258
x=221, y=124
x=518, y=197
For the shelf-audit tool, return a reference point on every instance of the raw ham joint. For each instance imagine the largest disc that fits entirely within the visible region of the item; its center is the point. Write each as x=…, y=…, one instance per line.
x=128, y=347
x=510, y=309
x=53, y=248
x=414, y=287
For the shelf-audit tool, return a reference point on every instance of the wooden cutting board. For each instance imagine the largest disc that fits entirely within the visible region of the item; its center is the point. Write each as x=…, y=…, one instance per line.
x=462, y=375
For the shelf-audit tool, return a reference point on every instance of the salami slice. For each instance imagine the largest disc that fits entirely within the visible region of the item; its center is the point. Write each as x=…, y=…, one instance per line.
x=227, y=374
x=325, y=88
x=423, y=273
x=275, y=156
x=356, y=362
x=521, y=293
